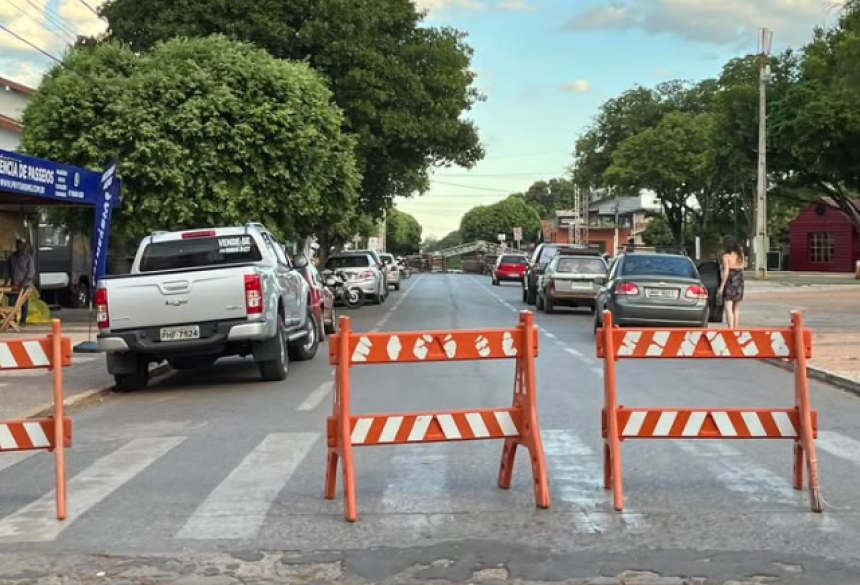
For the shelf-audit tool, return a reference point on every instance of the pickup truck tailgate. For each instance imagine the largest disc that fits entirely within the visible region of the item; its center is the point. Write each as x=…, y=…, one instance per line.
x=160, y=299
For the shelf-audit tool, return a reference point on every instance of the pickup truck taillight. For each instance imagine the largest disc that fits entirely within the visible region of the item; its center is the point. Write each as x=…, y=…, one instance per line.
x=101, y=303
x=253, y=294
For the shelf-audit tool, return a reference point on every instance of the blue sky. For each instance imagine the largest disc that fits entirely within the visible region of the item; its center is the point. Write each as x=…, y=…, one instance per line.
x=544, y=65
x=547, y=65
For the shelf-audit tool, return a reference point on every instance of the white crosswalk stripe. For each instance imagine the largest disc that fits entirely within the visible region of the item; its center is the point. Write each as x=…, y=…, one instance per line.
x=238, y=506
x=839, y=445
x=37, y=522
x=576, y=477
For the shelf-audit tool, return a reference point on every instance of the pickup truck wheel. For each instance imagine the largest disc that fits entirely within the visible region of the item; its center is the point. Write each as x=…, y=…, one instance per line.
x=135, y=381
x=309, y=344
x=277, y=369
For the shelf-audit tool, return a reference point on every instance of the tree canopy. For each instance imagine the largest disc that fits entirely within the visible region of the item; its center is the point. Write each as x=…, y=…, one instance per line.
x=402, y=85
x=402, y=233
x=207, y=131
x=486, y=222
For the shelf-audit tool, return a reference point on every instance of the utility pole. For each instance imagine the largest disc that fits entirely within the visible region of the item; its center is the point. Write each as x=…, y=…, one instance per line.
x=615, y=238
x=761, y=241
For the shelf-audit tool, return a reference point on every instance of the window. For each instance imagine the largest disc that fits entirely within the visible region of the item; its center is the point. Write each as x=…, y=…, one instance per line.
x=647, y=265
x=822, y=247
x=199, y=252
x=339, y=262
x=513, y=260
x=582, y=265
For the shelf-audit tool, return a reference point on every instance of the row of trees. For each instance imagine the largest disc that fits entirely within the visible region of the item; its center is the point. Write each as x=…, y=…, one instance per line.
x=695, y=145
x=309, y=116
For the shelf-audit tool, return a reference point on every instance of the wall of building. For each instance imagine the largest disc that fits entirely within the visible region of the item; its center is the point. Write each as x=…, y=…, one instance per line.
x=12, y=103
x=846, y=243
x=9, y=140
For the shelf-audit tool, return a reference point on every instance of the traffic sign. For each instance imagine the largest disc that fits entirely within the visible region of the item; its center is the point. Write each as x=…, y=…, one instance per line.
x=518, y=234
x=501, y=237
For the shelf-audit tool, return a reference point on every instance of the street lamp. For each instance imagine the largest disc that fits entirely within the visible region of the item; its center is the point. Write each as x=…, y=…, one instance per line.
x=761, y=243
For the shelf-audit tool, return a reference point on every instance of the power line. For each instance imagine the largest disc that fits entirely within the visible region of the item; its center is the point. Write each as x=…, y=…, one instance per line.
x=48, y=55
x=91, y=9
x=473, y=187
x=499, y=174
x=57, y=19
x=527, y=154
x=29, y=44
x=40, y=23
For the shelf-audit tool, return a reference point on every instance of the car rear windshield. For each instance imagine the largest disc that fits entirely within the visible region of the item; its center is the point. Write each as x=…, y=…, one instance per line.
x=514, y=260
x=658, y=266
x=199, y=253
x=582, y=265
x=338, y=262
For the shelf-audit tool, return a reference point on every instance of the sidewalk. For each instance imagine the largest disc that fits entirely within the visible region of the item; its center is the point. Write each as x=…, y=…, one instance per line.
x=24, y=393
x=831, y=312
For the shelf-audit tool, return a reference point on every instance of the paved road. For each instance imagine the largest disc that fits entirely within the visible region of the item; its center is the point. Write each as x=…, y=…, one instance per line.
x=206, y=472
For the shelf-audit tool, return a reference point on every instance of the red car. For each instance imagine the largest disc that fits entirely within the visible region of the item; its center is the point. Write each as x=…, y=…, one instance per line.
x=322, y=300
x=510, y=267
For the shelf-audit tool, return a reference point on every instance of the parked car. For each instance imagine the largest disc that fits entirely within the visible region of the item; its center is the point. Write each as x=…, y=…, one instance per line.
x=392, y=270
x=509, y=267
x=197, y=295
x=380, y=265
x=569, y=279
x=653, y=289
x=322, y=300
x=710, y=272
x=541, y=257
x=363, y=272
x=64, y=267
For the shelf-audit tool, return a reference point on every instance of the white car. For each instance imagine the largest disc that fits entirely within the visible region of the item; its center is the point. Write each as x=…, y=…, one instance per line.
x=392, y=269
x=362, y=271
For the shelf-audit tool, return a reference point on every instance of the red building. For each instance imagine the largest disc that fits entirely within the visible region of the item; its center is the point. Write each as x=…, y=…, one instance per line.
x=823, y=240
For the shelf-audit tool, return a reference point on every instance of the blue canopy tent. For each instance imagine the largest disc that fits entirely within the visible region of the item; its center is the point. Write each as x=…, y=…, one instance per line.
x=29, y=184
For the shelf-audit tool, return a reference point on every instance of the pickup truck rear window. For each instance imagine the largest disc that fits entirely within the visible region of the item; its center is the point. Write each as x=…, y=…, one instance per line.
x=199, y=253
x=338, y=262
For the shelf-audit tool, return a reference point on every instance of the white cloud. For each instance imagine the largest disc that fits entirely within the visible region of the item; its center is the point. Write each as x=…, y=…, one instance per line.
x=661, y=72
x=578, y=86
x=723, y=22
x=432, y=5
x=38, y=25
x=516, y=5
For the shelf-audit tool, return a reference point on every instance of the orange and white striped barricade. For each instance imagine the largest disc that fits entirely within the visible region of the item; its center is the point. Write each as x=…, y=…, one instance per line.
x=619, y=423
x=53, y=352
x=517, y=425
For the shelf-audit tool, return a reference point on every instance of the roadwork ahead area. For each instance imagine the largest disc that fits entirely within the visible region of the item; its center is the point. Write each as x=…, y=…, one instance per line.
x=214, y=477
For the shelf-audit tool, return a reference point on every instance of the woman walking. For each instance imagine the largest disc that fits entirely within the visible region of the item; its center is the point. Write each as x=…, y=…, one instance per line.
x=732, y=285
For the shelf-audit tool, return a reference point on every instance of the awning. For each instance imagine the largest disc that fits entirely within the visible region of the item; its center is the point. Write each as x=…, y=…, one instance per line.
x=31, y=181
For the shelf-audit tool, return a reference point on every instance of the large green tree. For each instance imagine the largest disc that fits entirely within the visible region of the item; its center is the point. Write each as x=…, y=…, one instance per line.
x=402, y=233
x=403, y=85
x=547, y=197
x=207, y=131
x=670, y=159
x=818, y=119
x=486, y=222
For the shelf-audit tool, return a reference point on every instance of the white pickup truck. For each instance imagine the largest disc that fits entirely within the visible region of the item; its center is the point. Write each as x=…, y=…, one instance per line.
x=195, y=296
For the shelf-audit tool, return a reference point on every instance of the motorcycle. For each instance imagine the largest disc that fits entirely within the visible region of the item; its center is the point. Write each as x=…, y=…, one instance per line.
x=405, y=272
x=351, y=296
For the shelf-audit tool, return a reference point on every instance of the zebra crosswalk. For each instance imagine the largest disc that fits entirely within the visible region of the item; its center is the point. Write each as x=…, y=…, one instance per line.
x=403, y=483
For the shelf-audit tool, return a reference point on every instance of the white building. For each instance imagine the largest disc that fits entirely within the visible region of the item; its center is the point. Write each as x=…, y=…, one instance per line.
x=13, y=99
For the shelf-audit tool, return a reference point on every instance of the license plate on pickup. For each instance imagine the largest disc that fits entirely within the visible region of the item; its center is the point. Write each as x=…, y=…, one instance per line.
x=180, y=333
x=661, y=293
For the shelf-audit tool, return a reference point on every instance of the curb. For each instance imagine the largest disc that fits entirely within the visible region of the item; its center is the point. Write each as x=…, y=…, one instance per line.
x=822, y=375
x=47, y=408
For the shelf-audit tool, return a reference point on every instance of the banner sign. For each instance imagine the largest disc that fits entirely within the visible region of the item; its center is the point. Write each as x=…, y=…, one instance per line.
x=108, y=195
x=38, y=177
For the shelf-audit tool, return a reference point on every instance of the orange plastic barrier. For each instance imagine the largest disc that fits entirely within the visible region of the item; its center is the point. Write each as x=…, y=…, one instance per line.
x=799, y=424
x=517, y=425
x=53, y=352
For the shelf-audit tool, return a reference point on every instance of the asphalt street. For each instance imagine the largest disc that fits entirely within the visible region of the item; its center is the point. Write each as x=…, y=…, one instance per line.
x=215, y=464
